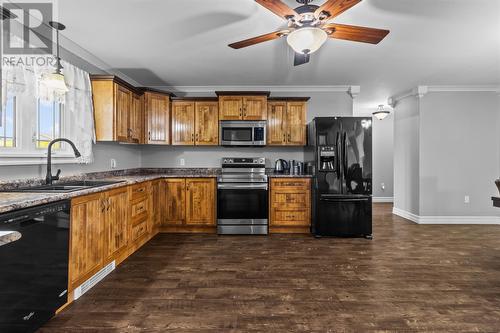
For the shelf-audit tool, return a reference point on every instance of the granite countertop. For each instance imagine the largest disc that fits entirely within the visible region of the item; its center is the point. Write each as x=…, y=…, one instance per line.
x=17, y=200
x=7, y=237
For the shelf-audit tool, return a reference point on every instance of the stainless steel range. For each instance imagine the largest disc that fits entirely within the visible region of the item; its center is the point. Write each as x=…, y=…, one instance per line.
x=242, y=196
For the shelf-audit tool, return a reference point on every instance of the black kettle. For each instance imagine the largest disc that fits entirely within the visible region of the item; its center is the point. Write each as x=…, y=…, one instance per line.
x=281, y=166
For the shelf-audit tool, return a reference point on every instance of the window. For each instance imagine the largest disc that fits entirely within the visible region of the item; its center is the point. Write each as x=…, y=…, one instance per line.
x=8, y=124
x=48, y=123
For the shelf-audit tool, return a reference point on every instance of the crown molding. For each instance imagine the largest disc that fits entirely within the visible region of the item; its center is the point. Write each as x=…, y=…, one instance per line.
x=485, y=88
x=274, y=89
x=421, y=91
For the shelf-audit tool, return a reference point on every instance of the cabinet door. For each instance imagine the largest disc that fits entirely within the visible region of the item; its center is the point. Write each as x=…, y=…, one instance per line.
x=157, y=203
x=174, y=202
x=255, y=108
x=276, y=126
x=183, y=123
x=116, y=222
x=230, y=108
x=200, y=201
x=296, y=123
x=136, y=119
x=207, y=123
x=86, y=245
x=158, y=118
x=123, y=98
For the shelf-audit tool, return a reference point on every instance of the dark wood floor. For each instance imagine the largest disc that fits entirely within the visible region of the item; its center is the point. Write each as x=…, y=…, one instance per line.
x=409, y=278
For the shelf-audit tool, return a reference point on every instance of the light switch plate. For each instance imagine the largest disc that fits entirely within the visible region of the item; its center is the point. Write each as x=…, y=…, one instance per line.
x=466, y=199
x=182, y=162
x=112, y=163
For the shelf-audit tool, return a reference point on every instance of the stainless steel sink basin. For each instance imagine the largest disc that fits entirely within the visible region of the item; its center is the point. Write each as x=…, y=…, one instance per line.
x=64, y=187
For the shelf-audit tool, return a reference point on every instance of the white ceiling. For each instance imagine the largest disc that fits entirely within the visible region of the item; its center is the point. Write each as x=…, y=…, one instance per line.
x=184, y=43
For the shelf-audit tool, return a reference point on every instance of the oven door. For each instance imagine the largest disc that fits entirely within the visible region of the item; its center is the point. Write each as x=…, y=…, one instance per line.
x=242, y=203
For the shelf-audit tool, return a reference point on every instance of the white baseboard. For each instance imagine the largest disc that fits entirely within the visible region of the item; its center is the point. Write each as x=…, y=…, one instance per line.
x=446, y=219
x=382, y=199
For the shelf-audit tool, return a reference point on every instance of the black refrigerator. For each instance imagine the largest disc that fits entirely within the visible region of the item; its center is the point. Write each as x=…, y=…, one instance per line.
x=340, y=151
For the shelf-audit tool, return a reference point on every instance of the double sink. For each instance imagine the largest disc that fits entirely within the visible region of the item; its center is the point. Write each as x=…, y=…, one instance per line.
x=65, y=187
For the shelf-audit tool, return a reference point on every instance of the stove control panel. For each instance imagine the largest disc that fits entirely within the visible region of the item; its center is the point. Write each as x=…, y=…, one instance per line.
x=243, y=160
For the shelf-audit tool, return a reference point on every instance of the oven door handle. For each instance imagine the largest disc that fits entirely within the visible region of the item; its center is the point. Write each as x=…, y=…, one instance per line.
x=223, y=186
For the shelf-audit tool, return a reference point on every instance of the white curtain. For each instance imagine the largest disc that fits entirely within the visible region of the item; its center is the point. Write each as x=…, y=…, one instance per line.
x=22, y=80
x=79, y=107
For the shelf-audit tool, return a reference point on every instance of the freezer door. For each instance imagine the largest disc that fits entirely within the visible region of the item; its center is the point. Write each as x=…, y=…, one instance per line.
x=356, y=155
x=343, y=215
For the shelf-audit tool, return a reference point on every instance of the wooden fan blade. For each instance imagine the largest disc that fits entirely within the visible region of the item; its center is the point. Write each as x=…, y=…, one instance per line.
x=256, y=40
x=335, y=7
x=300, y=59
x=279, y=8
x=356, y=33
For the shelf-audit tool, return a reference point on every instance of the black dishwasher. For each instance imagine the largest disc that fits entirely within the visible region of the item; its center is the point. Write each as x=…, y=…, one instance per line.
x=33, y=265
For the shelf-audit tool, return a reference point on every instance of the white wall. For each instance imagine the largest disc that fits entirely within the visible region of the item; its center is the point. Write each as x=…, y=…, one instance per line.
x=127, y=156
x=446, y=147
x=406, y=155
x=459, y=153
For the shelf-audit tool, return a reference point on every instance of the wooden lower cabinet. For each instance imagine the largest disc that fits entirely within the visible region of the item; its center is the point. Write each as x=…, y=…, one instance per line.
x=108, y=226
x=290, y=205
x=189, y=205
x=115, y=223
x=86, y=238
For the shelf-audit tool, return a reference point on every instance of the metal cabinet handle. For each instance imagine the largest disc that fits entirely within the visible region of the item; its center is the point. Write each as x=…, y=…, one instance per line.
x=103, y=206
x=192, y=137
x=149, y=135
x=109, y=203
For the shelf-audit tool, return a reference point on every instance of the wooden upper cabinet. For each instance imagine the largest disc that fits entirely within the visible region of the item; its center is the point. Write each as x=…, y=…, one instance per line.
x=296, y=123
x=207, y=123
x=86, y=245
x=200, y=201
x=116, y=204
x=123, y=110
x=286, y=125
x=174, y=202
x=230, y=108
x=114, y=112
x=195, y=122
x=242, y=107
x=183, y=123
x=254, y=108
x=137, y=119
x=276, y=126
x=157, y=118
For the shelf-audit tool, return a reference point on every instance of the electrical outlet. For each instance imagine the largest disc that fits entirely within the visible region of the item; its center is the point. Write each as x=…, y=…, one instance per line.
x=382, y=186
x=466, y=199
x=112, y=163
x=182, y=162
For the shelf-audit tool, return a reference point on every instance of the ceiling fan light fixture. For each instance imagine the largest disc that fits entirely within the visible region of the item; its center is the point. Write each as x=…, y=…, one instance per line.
x=381, y=112
x=306, y=40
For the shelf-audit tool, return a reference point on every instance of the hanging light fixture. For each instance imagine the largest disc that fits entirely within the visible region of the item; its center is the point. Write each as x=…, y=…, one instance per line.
x=306, y=40
x=381, y=112
x=55, y=81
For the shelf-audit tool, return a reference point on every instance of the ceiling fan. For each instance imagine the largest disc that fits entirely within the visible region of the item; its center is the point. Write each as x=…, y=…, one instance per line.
x=309, y=27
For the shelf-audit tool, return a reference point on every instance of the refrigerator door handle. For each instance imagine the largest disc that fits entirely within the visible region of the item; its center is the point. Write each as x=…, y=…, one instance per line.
x=343, y=199
x=344, y=154
x=337, y=155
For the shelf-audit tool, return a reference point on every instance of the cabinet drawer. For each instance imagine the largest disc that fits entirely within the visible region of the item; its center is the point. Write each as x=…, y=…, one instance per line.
x=290, y=199
x=291, y=183
x=139, y=191
x=293, y=217
x=139, y=230
x=139, y=209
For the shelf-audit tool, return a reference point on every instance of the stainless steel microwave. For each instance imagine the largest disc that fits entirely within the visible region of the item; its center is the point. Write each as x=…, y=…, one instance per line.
x=242, y=133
